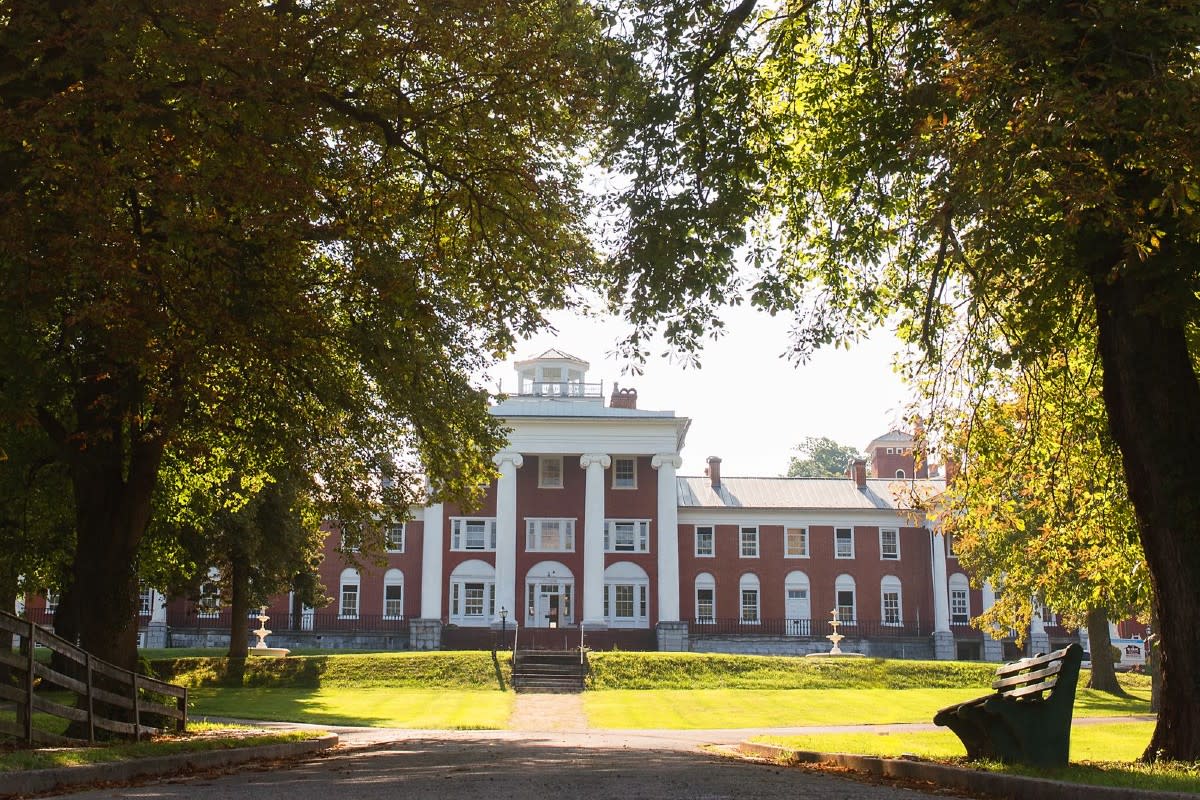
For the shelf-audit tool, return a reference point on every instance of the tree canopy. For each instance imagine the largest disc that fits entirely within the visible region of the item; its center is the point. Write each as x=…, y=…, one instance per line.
x=1017, y=170
x=250, y=223
x=820, y=457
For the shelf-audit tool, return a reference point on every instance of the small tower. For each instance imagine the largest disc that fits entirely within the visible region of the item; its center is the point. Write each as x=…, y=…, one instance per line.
x=556, y=375
x=893, y=456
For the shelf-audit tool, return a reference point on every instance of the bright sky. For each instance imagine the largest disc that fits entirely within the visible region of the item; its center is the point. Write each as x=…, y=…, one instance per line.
x=747, y=404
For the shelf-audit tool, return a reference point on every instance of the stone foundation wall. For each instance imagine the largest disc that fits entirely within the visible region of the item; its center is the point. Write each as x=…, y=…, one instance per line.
x=789, y=646
x=296, y=640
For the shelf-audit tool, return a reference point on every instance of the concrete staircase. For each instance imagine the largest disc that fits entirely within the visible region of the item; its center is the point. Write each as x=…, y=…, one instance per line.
x=548, y=671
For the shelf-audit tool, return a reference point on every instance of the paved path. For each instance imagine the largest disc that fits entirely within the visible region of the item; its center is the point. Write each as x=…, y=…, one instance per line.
x=548, y=752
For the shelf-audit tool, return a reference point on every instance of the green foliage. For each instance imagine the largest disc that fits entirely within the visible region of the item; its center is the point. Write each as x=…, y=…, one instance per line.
x=451, y=670
x=1040, y=506
x=822, y=458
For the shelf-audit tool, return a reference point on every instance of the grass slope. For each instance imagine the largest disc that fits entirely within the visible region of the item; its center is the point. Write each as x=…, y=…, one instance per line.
x=451, y=670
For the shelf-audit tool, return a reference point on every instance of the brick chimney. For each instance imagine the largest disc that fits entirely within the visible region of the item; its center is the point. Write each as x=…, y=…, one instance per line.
x=951, y=470
x=714, y=471
x=857, y=470
x=622, y=398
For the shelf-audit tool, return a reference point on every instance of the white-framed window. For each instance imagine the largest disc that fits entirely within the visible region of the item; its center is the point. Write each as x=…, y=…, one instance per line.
x=624, y=471
x=472, y=533
x=706, y=598
x=394, y=537
x=795, y=542
x=749, y=611
x=843, y=542
x=473, y=594
x=950, y=546
x=51, y=602
x=626, y=596
x=900, y=474
x=889, y=601
x=550, y=472
x=145, y=602
x=348, y=594
x=349, y=542
x=626, y=535
x=960, y=599
x=705, y=541
x=889, y=544
x=891, y=450
x=209, y=602
x=847, y=604
x=748, y=541
x=547, y=535
x=393, y=594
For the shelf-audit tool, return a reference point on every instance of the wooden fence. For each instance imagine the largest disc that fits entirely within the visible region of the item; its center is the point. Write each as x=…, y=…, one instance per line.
x=105, y=697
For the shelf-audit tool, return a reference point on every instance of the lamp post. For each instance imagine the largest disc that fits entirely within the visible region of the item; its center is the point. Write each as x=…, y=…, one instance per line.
x=503, y=625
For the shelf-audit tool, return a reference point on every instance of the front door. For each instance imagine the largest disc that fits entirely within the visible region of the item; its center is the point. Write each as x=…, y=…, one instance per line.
x=549, y=605
x=798, y=621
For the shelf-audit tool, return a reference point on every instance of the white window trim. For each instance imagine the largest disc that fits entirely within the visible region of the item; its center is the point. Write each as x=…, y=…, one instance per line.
x=641, y=535
x=883, y=557
x=853, y=589
x=533, y=528
x=807, y=550
x=344, y=583
x=641, y=591
x=458, y=531
x=900, y=475
x=489, y=602
x=632, y=459
x=742, y=620
x=712, y=541
x=389, y=583
x=837, y=555
x=757, y=541
x=958, y=582
x=542, y=482
x=403, y=538
x=886, y=586
x=712, y=617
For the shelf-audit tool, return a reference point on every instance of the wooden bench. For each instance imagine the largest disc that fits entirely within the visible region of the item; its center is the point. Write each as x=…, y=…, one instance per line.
x=1028, y=719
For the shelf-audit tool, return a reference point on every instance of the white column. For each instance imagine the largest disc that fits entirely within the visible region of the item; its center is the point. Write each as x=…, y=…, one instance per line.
x=668, y=536
x=506, y=532
x=432, y=544
x=593, y=538
x=941, y=587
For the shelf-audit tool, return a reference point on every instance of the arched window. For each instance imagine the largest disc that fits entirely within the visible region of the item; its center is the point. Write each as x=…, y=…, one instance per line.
x=549, y=595
x=797, y=609
x=846, y=599
x=706, y=598
x=890, y=605
x=393, y=594
x=473, y=593
x=900, y=474
x=626, y=596
x=750, y=612
x=960, y=600
x=348, y=608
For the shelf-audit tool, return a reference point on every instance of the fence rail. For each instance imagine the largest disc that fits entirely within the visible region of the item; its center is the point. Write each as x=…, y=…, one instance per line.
x=805, y=628
x=101, y=695
x=314, y=622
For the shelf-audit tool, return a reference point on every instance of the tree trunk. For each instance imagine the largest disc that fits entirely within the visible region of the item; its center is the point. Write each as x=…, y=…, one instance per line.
x=1104, y=673
x=239, y=602
x=1153, y=403
x=1153, y=664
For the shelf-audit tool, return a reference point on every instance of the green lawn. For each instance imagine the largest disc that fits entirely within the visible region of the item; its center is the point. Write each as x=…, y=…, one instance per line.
x=772, y=708
x=1101, y=755
x=374, y=707
x=1119, y=741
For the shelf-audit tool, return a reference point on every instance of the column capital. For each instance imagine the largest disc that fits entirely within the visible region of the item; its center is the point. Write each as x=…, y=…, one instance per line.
x=666, y=460
x=587, y=459
x=508, y=456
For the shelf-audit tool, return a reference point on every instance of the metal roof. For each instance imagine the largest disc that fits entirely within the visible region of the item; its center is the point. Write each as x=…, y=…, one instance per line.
x=802, y=493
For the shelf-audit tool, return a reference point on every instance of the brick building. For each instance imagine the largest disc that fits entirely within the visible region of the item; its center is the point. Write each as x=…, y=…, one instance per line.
x=590, y=534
